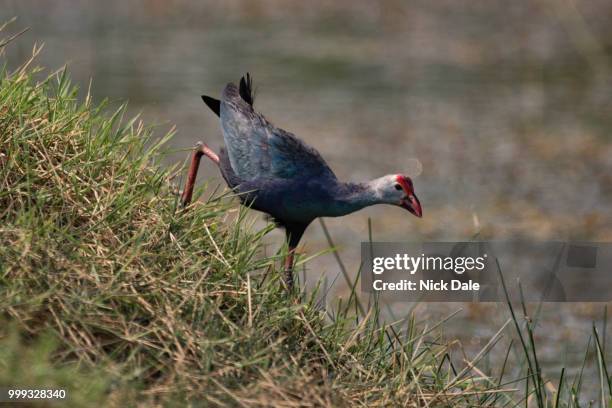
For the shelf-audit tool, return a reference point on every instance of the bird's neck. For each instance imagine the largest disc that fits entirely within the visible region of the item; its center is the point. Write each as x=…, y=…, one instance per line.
x=351, y=197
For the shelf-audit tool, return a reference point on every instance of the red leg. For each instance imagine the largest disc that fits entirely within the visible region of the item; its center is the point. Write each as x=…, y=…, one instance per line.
x=289, y=268
x=200, y=149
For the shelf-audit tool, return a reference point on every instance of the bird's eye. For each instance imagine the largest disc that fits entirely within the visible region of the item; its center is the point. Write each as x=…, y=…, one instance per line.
x=398, y=187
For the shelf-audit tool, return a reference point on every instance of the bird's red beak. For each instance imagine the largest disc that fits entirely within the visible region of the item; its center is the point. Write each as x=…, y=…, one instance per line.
x=410, y=200
x=412, y=204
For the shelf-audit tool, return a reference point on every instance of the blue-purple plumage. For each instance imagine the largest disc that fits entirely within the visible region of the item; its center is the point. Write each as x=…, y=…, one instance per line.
x=273, y=170
x=276, y=173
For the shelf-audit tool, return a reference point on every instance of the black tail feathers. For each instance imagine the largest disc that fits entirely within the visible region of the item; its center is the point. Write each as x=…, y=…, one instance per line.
x=246, y=89
x=213, y=104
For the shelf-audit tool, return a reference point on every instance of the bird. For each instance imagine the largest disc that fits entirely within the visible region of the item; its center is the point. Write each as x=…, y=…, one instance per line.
x=274, y=172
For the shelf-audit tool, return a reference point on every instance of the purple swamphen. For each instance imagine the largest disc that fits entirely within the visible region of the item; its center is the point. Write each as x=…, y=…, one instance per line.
x=276, y=173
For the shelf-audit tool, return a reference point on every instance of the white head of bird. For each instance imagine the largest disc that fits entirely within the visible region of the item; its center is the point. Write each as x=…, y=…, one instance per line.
x=397, y=189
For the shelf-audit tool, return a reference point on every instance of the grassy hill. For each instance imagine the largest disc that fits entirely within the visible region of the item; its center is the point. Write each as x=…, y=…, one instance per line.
x=111, y=291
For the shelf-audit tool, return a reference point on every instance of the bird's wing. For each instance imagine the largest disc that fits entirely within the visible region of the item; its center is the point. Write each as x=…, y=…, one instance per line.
x=256, y=148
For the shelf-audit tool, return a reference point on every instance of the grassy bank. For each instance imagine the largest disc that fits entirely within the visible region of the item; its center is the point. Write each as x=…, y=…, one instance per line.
x=109, y=290
x=112, y=292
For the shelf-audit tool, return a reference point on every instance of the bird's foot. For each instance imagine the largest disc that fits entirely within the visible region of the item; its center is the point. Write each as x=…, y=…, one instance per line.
x=202, y=148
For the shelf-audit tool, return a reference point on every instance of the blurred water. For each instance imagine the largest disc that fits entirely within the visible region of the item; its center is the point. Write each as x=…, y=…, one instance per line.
x=506, y=105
